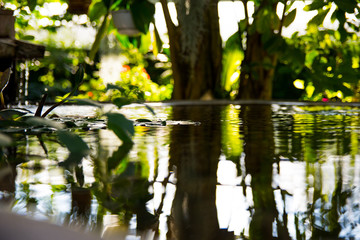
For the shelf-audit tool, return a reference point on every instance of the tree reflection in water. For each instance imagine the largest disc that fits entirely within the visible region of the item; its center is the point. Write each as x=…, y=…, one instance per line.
x=194, y=155
x=259, y=149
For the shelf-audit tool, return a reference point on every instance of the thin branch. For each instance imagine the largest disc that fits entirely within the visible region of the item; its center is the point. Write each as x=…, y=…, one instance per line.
x=169, y=23
x=246, y=12
x=282, y=19
x=41, y=105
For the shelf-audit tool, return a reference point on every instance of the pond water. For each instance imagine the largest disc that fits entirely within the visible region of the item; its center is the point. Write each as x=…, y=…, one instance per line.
x=244, y=171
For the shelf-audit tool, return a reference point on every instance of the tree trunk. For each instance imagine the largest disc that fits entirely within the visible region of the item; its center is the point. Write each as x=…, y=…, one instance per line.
x=195, y=48
x=257, y=70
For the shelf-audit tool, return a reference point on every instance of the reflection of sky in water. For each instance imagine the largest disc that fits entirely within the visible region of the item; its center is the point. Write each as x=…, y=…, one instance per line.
x=40, y=195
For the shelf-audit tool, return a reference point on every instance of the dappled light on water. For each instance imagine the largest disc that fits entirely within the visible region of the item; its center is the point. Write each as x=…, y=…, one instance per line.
x=241, y=172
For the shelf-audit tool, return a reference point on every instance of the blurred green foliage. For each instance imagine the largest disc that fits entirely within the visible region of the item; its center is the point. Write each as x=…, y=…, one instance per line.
x=320, y=65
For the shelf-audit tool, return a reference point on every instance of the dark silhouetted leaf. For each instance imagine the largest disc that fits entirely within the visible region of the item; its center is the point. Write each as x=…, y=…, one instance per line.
x=290, y=18
x=122, y=127
x=319, y=18
x=38, y=121
x=114, y=87
x=8, y=114
x=315, y=5
x=346, y=5
x=143, y=13
x=120, y=102
x=73, y=143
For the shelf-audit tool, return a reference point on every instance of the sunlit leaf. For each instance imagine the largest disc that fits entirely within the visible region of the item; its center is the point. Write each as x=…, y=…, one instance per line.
x=97, y=9
x=28, y=38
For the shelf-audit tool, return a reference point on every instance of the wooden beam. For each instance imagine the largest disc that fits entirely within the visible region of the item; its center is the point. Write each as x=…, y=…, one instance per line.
x=20, y=50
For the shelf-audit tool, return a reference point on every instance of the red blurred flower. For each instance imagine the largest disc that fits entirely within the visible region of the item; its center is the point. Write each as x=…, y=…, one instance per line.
x=125, y=68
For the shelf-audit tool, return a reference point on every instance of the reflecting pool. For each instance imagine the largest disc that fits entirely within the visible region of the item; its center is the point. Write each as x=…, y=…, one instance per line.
x=243, y=171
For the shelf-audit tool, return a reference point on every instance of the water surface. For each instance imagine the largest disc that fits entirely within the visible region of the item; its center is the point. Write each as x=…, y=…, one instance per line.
x=247, y=171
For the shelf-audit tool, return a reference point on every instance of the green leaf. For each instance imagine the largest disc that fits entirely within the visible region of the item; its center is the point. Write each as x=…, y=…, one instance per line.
x=143, y=13
x=10, y=114
x=97, y=9
x=114, y=87
x=289, y=18
x=145, y=43
x=99, y=36
x=27, y=37
x=346, y=5
x=73, y=143
x=315, y=5
x=319, y=18
x=157, y=45
x=38, y=121
x=122, y=127
x=120, y=102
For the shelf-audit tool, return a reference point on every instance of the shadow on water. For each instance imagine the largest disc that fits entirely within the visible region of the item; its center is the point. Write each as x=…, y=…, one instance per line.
x=296, y=176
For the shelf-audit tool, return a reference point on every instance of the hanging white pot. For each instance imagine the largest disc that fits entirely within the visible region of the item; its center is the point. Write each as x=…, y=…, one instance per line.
x=124, y=23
